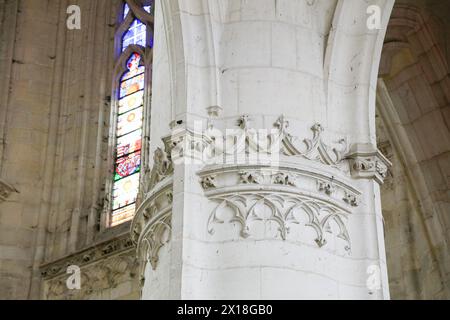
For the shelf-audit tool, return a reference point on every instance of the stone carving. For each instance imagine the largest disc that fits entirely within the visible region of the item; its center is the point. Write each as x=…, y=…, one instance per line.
x=283, y=178
x=283, y=197
x=283, y=210
x=162, y=167
x=351, y=199
x=187, y=145
x=249, y=141
x=149, y=225
x=366, y=162
x=92, y=255
x=136, y=231
x=208, y=182
x=258, y=177
x=316, y=149
x=215, y=179
x=104, y=274
x=157, y=235
x=381, y=168
x=326, y=187
x=244, y=122
x=6, y=190
x=169, y=195
x=251, y=177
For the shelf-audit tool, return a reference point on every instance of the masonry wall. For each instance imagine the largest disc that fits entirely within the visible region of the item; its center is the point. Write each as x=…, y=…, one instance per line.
x=415, y=72
x=28, y=50
x=55, y=90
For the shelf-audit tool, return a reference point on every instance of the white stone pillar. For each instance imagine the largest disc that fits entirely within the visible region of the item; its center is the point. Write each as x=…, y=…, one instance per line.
x=295, y=80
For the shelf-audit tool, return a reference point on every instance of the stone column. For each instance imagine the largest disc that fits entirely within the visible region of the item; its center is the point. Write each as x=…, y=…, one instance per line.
x=265, y=178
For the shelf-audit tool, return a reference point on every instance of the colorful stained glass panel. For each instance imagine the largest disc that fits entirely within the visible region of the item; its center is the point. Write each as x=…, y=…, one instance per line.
x=129, y=143
x=122, y=215
x=125, y=191
x=129, y=122
x=136, y=34
x=133, y=66
x=128, y=165
x=135, y=72
x=132, y=85
x=131, y=102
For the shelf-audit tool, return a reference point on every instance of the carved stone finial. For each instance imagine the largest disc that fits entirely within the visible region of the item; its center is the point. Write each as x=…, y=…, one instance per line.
x=281, y=124
x=244, y=122
x=317, y=128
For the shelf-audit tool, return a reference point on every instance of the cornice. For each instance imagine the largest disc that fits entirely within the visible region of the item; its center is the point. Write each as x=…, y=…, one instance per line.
x=88, y=256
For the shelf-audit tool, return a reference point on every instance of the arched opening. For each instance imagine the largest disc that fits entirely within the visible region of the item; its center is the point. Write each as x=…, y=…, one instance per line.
x=413, y=122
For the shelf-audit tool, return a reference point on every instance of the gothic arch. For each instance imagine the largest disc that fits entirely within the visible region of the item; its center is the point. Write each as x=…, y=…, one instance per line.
x=413, y=96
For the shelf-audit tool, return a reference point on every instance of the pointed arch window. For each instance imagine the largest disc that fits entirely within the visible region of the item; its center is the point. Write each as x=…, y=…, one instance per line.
x=134, y=42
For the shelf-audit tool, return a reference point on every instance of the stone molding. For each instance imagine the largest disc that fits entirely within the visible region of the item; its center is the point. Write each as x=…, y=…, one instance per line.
x=309, y=177
x=366, y=162
x=278, y=141
x=316, y=148
x=104, y=274
x=280, y=191
x=103, y=266
x=151, y=225
x=88, y=256
x=162, y=168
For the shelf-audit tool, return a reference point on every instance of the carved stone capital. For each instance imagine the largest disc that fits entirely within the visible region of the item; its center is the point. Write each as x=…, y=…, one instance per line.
x=184, y=144
x=366, y=162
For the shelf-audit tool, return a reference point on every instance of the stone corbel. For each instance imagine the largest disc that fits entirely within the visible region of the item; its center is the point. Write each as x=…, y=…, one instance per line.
x=185, y=144
x=6, y=190
x=367, y=162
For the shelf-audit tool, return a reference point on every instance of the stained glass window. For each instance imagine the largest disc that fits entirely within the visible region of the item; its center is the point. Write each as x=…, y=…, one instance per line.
x=130, y=118
x=129, y=140
x=136, y=34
